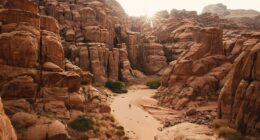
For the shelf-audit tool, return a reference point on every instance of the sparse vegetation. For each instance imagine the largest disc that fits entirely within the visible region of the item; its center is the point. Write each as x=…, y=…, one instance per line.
x=154, y=83
x=116, y=86
x=81, y=124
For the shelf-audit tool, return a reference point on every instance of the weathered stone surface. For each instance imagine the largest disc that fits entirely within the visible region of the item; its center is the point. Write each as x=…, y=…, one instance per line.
x=13, y=106
x=186, y=131
x=198, y=71
x=24, y=5
x=49, y=66
x=17, y=16
x=50, y=24
x=53, y=131
x=71, y=80
x=84, y=62
x=153, y=58
x=96, y=63
x=19, y=48
x=92, y=33
x=20, y=87
x=52, y=50
x=70, y=35
x=239, y=98
x=6, y=129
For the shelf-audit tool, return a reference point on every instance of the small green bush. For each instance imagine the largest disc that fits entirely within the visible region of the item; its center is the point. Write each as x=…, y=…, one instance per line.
x=154, y=83
x=116, y=86
x=81, y=124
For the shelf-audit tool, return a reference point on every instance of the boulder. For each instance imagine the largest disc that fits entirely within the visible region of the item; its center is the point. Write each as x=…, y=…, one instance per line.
x=24, y=5
x=54, y=131
x=52, y=50
x=50, y=24
x=17, y=16
x=49, y=66
x=20, y=87
x=22, y=120
x=19, y=48
x=69, y=79
x=92, y=33
x=70, y=35
x=19, y=105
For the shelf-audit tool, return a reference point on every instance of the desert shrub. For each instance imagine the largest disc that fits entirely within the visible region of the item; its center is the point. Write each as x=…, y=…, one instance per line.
x=154, y=83
x=228, y=133
x=81, y=124
x=116, y=86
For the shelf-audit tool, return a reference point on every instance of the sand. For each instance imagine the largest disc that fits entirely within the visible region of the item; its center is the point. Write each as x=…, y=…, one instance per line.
x=138, y=123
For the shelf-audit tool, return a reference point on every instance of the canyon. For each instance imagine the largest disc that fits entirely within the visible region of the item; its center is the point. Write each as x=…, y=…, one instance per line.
x=58, y=56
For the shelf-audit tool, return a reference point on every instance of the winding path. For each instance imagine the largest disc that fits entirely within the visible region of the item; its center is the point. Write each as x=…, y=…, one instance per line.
x=138, y=123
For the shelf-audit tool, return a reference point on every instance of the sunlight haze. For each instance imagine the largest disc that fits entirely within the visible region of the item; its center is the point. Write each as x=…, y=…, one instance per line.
x=149, y=7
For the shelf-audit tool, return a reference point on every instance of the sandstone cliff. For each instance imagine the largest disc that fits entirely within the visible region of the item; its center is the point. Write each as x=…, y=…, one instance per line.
x=42, y=91
x=239, y=98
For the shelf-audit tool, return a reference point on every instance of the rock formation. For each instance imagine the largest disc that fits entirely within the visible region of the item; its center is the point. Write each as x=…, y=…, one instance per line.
x=42, y=91
x=197, y=73
x=238, y=100
x=6, y=129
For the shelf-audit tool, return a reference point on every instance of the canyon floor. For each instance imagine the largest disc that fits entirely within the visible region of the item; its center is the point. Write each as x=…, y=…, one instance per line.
x=140, y=114
x=127, y=109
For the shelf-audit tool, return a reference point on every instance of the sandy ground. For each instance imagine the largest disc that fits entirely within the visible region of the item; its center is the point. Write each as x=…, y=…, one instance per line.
x=143, y=120
x=138, y=123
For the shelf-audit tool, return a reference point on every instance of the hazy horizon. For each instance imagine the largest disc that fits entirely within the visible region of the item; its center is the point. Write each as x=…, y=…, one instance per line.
x=150, y=7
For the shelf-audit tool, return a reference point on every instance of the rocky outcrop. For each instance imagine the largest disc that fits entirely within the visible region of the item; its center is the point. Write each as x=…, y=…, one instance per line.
x=42, y=91
x=6, y=129
x=152, y=56
x=197, y=74
x=238, y=100
x=187, y=131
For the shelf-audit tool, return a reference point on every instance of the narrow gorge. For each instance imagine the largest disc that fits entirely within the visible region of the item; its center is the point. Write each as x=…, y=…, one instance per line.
x=87, y=70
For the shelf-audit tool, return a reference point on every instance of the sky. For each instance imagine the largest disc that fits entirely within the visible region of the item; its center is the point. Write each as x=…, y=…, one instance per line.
x=149, y=7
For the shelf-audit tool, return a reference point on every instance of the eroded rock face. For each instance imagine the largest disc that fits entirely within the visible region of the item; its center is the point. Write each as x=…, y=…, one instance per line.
x=239, y=98
x=153, y=58
x=6, y=129
x=19, y=48
x=42, y=91
x=197, y=72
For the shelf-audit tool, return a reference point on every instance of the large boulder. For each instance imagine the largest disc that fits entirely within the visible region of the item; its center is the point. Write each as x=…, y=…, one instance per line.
x=50, y=24
x=24, y=5
x=69, y=79
x=92, y=33
x=20, y=87
x=52, y=50
x=19, y=48
x=53, y=131
x=17, y=16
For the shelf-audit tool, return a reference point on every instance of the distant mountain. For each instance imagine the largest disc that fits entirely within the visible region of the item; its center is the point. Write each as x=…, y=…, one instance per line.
x=222, y=11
